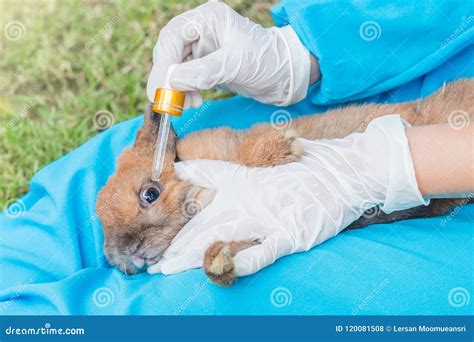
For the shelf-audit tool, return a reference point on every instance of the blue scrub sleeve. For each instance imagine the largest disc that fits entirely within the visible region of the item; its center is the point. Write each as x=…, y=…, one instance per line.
x=368, y=47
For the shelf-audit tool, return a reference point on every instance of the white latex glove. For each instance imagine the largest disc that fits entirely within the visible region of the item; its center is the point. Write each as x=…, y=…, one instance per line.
x=293, y=207
x=220, y=47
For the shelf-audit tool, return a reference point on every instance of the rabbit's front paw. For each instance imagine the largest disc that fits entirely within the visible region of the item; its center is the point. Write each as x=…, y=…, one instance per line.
x=219, y=260
x=218, y=264
x=270, y=148
x=296, y=147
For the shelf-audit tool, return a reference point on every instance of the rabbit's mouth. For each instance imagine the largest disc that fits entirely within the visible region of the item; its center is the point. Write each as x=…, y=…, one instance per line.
x=142, y=262
x=132, y=264
x=134, y=258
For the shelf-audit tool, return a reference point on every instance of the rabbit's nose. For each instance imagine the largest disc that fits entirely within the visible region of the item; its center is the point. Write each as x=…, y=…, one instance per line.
x=153, y=260
x=141, y=257
x=139, y=262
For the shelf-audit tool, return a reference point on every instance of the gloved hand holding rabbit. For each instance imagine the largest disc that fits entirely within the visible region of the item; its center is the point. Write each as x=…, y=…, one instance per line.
x=259, y=215
x=294, y=207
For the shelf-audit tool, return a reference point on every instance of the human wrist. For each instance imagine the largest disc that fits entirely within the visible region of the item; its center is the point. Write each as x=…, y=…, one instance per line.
x=299, y=63
x=315, y=71
x=373, y=168
x=391, y=159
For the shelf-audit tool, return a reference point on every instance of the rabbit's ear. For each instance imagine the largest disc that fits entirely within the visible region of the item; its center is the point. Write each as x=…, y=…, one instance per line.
x=197, y=199
x=146, y=136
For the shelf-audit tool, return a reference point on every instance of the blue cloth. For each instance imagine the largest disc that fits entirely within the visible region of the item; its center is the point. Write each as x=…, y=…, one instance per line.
x=51, y=259
x=366, y=47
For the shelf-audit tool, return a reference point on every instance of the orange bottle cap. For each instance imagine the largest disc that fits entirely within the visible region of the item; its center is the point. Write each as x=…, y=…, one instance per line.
x=168, y=101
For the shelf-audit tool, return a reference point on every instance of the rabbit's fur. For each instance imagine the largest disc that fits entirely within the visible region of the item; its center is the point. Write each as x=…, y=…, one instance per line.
x=136, y=232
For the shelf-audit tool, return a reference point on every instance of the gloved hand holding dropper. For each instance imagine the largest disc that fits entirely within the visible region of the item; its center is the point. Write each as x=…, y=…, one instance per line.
x=216, y=46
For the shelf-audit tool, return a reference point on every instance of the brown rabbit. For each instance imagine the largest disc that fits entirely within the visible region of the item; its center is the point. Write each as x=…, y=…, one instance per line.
x=141, y=217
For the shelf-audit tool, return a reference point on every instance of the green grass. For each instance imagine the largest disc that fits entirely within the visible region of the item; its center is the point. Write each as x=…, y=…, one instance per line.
x=72, y=59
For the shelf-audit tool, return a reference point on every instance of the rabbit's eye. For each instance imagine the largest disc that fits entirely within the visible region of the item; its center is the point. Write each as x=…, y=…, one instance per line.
x=150, y=194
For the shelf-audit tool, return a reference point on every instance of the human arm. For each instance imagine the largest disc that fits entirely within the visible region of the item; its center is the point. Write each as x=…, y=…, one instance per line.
x=443, y=157
x=365, y=48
